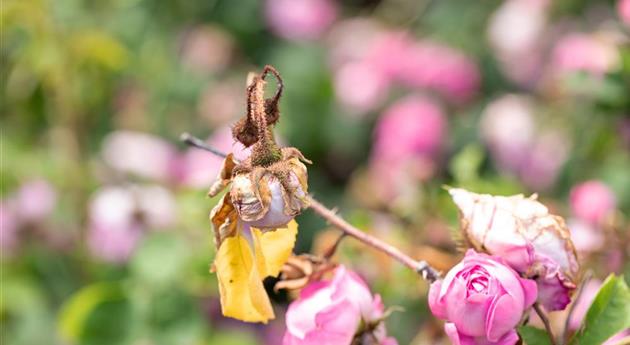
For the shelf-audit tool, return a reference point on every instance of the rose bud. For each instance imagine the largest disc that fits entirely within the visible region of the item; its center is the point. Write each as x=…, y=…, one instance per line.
x=482, y=299
x=338, y=311
x=592, y=201
x=532, y=241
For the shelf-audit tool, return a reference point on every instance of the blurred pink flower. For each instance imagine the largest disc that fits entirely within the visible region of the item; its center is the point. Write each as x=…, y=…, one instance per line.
x=334, y=311
x=623, y=7
x=118, y=216
x=435, y=66
x=515, y=33
x=482, y=299
x=592, y=201
x=200, y=169
x=300, y=19
x=140, y=154
x=408, y=140
x=220, y=103
x=586, y=237
x=352, y=40
x=389, y=53
x=360, y=87
x=8, y=227
x=546, y=157
x=35, y=200
x=207, y=49
x=584, y=52
x=509, y=130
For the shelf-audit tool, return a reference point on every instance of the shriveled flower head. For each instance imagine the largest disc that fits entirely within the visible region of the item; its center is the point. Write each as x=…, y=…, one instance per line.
x=483, y=300
x=253, y=222
x=340, y=311
x=532, y=241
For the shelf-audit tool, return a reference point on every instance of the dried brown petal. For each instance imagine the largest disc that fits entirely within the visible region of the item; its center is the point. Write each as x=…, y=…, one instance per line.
x=299, y=270
x=225, y=176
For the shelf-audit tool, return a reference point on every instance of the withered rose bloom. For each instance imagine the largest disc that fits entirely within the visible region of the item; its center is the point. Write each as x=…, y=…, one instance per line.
x=253, y=222
x=521, y=231
x=269, y=188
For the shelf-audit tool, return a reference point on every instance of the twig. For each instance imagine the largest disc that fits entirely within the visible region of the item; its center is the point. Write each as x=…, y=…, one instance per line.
x=576, y=300
x=545, y=320
x=422, y=267
x=200, y=144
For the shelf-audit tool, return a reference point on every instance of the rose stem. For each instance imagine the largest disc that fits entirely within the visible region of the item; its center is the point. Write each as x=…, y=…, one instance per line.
x=545, y=320
x=422, y=267
x=580, y=291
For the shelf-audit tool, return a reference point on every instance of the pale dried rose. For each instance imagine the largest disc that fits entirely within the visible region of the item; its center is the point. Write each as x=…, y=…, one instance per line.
x=521, y=230
x=258, y=197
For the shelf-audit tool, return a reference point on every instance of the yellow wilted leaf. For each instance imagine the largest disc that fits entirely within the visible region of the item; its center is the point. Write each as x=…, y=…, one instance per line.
x=273, y=248
x=241, y=269
x=242, y=293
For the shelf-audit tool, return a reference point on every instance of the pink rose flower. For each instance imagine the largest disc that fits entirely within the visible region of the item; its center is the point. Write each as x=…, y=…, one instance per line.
x=482, y=299
x=333, y=312
x=623, y=7
x=592, y=201
x=300, y=19
x=532, y=241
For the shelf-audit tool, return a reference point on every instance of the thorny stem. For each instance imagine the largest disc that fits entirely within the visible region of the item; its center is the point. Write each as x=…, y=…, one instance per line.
x=422, y=267
x=545, y=320
x=427, y=272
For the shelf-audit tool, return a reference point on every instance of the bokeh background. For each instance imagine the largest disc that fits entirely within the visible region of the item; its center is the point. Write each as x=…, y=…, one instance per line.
x=104, y=231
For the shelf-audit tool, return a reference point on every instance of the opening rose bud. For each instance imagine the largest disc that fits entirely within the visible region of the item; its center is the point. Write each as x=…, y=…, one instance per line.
x=338, y=311
x=482, y=299
x=521, y=231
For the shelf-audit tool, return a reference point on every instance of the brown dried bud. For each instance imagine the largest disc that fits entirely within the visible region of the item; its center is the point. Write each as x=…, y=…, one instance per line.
x=299, y=270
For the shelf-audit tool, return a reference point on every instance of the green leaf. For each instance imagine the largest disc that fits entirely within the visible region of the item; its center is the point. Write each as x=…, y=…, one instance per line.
x=96, y=314
x=534, y=336
x=608, y=314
